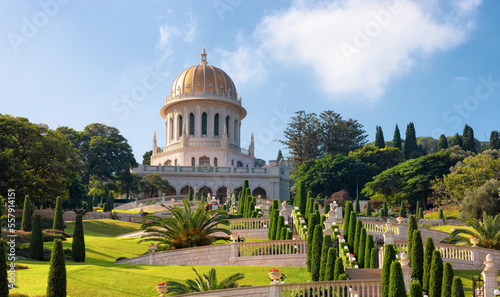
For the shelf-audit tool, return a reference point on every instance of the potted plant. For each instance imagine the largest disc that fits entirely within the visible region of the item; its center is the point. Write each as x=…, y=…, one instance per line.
x=233, y=237
x=274, y=275
x=162, y=289
x=474, y=240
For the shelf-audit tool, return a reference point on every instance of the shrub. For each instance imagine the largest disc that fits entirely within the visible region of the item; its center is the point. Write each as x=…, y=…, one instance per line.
x=78, y=246
x=282, y=232
x=481, y=199
x=397, y=283
x=4, y=284
x=316, y=252
x=420, y=213
x=389, y=257
x=361, y=248
x=190, y=194
x=36, y=241
x=327, y=243
x=330, y=264
x=402, y=210
x=447, y=280
x=441, y=216
x=417, y=256
x=412, y=225
x=58, y=216
x=339, y=268
x=26, y=221
x=356, y=206
x=313, y=221
x=120, y=258
x=280, y=224
x=352, y=230
x=457, y=290
x=429, y=248
x=56, y=286
x=289, y=235
x=368, y=250
x=415, y=289
x=368, y=209
x=436, y=275
x=373, y=262
x=359, y=225
x=347, y=218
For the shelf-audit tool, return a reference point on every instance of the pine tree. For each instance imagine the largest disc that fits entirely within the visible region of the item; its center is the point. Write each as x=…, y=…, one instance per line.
x=412, y=225
x=494, y=141
x=440, y=214
x=443, y=142
x=396, y=140
x=58, y=216
x=36, y=240
x=361, y=248
x=330, y=264
x=313, y=221
x=457, y=140
x=57, y=272
x=78, y=246
x=356, y=206
x=396, y=283
x=447, y=280
x=316, y=252
x=429, y=249
x=4, y=283
x=373, y=262
x=368, y=249
x=415, y=289
x=379, y=138
x=411, y=147
x=417, y=256
x=402, y=210
x=347, y=215
x=357, y=235
x=457, y=290
x=368, y=209
x=436, y=276
x=468, y=138
x=26, y=221
x=352, y=230
x=389, y=257
x=327, y=244
x=190, y=194
x=339, y=268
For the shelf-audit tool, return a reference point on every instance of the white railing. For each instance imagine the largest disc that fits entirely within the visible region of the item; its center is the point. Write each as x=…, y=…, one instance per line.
x=364, y=288
x=273, y=247
x=246, y=224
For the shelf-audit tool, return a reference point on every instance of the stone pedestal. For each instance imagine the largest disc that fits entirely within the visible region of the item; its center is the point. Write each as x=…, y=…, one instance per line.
x=388, y=235
x=489, y=276
x=406, y=270
x=338, y=213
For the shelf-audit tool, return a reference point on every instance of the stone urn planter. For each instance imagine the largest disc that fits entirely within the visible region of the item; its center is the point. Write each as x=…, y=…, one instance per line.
x=400, y=219
x=233, y=237
x=474, y=240
x=275, y=275
x=162, y=289
x=153, y=247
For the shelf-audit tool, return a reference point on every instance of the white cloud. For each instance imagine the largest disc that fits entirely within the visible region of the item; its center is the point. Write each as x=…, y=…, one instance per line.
x=356, y=46
x=169, y=32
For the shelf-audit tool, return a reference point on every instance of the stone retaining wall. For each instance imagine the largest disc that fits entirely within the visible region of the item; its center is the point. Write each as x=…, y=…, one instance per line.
x=71, y=215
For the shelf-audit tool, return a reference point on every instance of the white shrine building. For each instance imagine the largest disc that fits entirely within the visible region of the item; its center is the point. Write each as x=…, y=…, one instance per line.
x=203, y=116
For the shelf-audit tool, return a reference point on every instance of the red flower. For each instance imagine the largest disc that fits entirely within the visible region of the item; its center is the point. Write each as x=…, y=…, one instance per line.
x=473, y=237
x=274, y=270
x=161, y=284
x=152, y=243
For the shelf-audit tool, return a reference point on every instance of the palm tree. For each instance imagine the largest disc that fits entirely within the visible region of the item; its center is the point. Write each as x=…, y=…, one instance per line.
x=206, y=283
x=487, y=231
x=186, y=228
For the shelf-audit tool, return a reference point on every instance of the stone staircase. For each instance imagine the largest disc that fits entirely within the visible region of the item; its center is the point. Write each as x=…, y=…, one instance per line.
x=361, y=274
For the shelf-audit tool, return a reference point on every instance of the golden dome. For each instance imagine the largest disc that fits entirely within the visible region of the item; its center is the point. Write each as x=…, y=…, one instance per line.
x=203, y=80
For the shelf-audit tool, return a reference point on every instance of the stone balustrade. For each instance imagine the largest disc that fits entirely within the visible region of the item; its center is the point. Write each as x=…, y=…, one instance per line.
x=273, y=247
x=245, y=224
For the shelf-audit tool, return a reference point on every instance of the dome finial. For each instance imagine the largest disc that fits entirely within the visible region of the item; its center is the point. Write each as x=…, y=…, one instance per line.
x=203, y=57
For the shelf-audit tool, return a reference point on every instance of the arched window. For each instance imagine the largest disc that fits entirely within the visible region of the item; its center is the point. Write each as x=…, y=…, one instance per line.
x=168, y=163
x=215, y=162
x=191, y=124
x=175, y=162
x=171, y=124
x=216, y=124
x=180, y=126
x=193, y=161
x=227, y=125
x=235, y=134
x=204, y=124
x=204, y=160
x=239, y=164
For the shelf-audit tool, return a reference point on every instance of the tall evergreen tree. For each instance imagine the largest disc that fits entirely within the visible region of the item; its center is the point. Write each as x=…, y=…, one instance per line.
x=301, y=197
x=347, y=214
x=36, y=240
x=78, y=246
x=402, y=210
x=190, y=194
x=412, y=225
x=58, y=216
x=385, y=210
x=313, y=221
x=280, y=224
x=447, y=280
x=389, y=257
x=379, y=138
x=357, y=235
x=330, y=264
x=327, y=244
x=429, y=249
x=95, y=200
x=411, y=147
x=316, y=252
x=494, y=141
x=368, y=209
x=368, y=249
x=276, y=215
x=309, y=205
x=457, y=289
x=26, y=221
x=396, y=283
x=339, y=268
x=396, y=140
x=356, y=206
x=279, y=157
x=443, y=142
x=436, y=276
x=110, y=201
x=468, y=138
x=373, y=262
x=4, y=283
x=457, y=140
x=57, y=272
x=417, y=256
x=415, y=289
x=361, y=248
x=352, y=230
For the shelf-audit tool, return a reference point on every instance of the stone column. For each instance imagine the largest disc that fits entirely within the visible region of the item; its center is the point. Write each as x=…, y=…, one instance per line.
x=406, y=270
x=489, y=276
x=402, y=230
x=233, y=253
x=388, y=235
x=274, y=291
x=381, y=258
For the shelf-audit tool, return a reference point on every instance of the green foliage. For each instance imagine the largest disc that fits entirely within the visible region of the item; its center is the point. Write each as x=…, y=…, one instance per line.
x=486, y=230
x=457, y=290
x=357, y=235
x=384, y=212
x=4, y=284
x=417, y=256
x=56, y=286
x=276, y=220
x=289, y=235
x=457, y=141
x=396, y=283
x=369, y=245
x=379, y=138
x=26, y=222
x=36, y=240
x=58, y=216
x=339, y=269
x=429, y=249
x=152, y=184
x=111, y=201
x=415, y=289
x=481, y=199
x=411, y=148
x=327, y=244
x=368, y=209
x=436, y=275
x=330, y=264
x=316, y=252
x=447, y=280
x=206, y=283
x=443, y=142
x=356, y=206
x=494, y=141
x=313, y=221
x=389, y=257
x=352, y=230
x=279, y=225
x=361, y=248
x=105, y=207
x=441, y=216
x=421, y=213
x=468, y=137
x=190, y=194
x=347, y=215
x=396, y=140
x=283, y=233
x=412, y=226
x=78, y=245
x=373, y=262
x=402, y=210
x=301, y=197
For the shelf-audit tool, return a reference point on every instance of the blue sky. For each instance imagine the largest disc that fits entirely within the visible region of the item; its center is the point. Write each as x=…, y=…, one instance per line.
x=435, y=63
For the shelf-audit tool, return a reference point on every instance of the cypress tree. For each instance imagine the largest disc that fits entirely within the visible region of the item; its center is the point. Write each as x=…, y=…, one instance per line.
x=429, y=248
x=330, y=265
x=57, y=272
x=78, y=246
x=357, y=235
x=326, y=208
x=457, y=290
x=412, y=226
x=289, y=235
x=352, y=230
x=447, y=280
x=373, y=262
x=280, y=224
x=402, y=210
x=26, y=221
x=396, y=283
x=309, y=205
x=276, y=215
x=252, y=211
x=58, y=216
x=313, y=221
x=417, y=256
x=457, y=140
x=284, y=234
x=327, y=244
x=436, y=276
x=368, y=249
x=420, y=213
x=356, y=206
x=271, y=214
x=443, y=142
x=339, y=268
x=36, y=240
x=95, y=200
x=415, y=289
x=347, y=214
x=385, y=210
x=379, y=138
x=301, y=197
x=411, y=147
x=440, y=213
x=368, y=209
x=4, y=283
x=494, y=141
x=361, y=248
x=389, y=257
x=396, y=140
x=316, y=252
x=110, y=201
x=104, y=207
x=468, y=140
x=315, y=207
x=190, y=194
